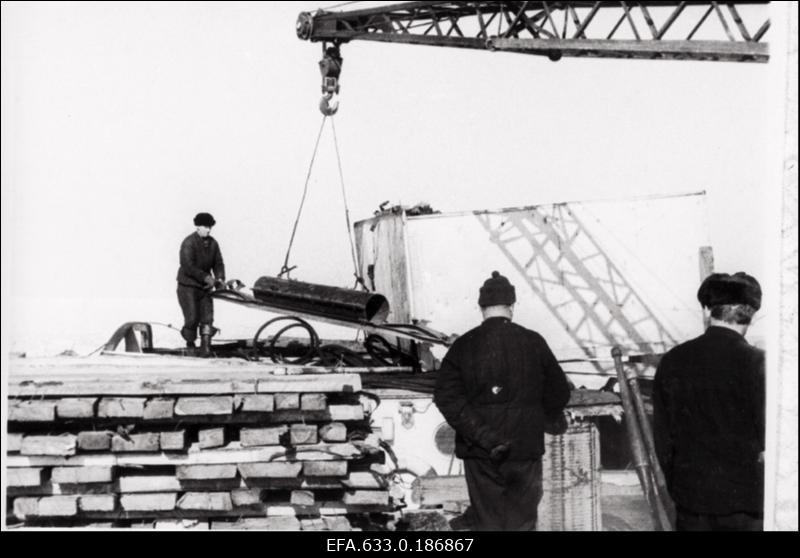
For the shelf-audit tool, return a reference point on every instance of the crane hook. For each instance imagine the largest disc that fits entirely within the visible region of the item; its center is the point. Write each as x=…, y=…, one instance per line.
x=326, y=107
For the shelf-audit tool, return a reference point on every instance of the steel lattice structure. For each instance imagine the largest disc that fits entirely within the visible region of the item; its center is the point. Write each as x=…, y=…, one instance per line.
x=577, y=281
x=729, y=31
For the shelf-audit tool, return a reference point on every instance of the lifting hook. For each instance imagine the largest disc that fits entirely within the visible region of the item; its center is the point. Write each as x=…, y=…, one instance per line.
x=326, y=107
x=330, y=67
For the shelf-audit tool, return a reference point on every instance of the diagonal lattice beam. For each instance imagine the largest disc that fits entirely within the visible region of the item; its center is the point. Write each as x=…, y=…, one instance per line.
x=590, y=29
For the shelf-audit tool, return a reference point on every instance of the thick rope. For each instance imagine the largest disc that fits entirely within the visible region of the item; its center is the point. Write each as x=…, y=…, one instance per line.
x=286, y=269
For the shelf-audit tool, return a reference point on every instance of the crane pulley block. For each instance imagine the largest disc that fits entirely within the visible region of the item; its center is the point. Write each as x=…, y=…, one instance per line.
x=330, y=67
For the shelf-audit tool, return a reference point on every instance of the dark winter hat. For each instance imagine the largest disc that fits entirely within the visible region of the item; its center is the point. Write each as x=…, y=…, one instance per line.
x=721, y=288
x=497, y=291
x=204, y=220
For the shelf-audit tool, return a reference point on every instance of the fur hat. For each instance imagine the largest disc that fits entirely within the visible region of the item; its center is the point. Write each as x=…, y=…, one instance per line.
x=204, y=220
x=497, y=291
x=721, y=288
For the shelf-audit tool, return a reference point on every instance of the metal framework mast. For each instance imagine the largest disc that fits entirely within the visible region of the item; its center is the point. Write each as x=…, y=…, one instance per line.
x=578, y=282
x=729, y=31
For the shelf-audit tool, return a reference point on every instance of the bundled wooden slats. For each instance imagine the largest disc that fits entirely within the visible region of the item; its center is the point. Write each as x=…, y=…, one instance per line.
x=189, y=448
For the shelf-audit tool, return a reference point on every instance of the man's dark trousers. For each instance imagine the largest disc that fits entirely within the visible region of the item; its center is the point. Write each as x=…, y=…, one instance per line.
x=198, y=308
x=504, y=496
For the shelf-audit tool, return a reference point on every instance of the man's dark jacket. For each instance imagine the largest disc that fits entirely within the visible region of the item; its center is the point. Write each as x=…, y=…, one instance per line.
x=709, y=410
x=499, y=383
x=199, y=257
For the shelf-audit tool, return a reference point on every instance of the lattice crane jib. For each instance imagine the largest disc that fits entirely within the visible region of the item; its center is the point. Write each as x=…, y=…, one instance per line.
x=729, y=31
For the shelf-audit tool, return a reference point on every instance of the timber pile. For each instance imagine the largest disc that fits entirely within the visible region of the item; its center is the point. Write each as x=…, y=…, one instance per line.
x=246, y=447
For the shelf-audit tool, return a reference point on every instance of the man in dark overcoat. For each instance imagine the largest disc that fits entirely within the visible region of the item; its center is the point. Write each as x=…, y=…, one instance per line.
x=709, y=412
x=497, y=387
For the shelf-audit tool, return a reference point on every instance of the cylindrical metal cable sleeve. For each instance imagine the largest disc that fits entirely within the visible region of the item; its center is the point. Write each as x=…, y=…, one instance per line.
x=344, y=197
x=303, y=198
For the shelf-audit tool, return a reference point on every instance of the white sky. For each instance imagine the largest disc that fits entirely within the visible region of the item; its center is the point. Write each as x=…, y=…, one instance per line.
x=121, y=121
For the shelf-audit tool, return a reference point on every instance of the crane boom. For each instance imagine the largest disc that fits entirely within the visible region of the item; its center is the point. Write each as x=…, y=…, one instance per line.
x=729, y=31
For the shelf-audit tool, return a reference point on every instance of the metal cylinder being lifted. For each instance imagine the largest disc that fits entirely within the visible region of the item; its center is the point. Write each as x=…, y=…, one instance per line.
x=322, y=300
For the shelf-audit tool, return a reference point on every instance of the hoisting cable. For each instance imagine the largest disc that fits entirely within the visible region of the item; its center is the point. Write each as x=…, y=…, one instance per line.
x=359, y=279
x=286, y=269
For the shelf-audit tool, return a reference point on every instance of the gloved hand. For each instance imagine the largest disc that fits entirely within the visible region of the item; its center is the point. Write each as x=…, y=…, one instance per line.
x=499, y=453
x=209, y=281
x=556, y=425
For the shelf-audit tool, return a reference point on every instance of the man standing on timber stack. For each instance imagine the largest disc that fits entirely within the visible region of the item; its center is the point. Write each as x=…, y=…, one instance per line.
x=709, y=412
x=499, y=386
x=201, y=270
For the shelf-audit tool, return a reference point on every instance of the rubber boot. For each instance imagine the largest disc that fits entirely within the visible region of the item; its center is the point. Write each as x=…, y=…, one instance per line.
x=191, y=348
x=206, y=331
x=205, y=346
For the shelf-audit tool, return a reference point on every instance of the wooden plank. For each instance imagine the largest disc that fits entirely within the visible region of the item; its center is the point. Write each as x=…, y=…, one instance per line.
x=175, y=440
x=243, y=497
x=148, y=502
x=313, y=524
x=181, y=524
x=24, y=476
x=195, y=472
x=13, y=443
x=335, y=508
x=140, y=383
x=31, y=411
x=121, y=407
x=333, y=432
x=49, y=489
x=275, y=469
x=325, y=468
x=144, y=442
x=58, y=506
x=287, y=401
x=262, y=403
x=220, y=405
x=313, y=401
x=278, y=510
x=346, y=412
x=302, y=497
x=76, y=407
x=211, y=438
x=261, y=523
x=25, y=507
x=61, y=445
x=270, y=436
x=301, y=434
x=320, y=508
x=216, y=501
x=95, y=441
x=337, y=523
x=81, y=475
x=160, y=483
x=370, y=497
x=159, y=408
x=364, y=480
x=97, y=502
x=232, y=453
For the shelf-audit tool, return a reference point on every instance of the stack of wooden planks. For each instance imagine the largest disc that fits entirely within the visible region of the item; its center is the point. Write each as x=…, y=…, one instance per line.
x=112, y=444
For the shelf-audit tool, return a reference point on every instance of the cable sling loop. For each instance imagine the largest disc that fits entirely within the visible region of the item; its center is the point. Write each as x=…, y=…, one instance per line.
x=359, y=279
x=286, y=269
